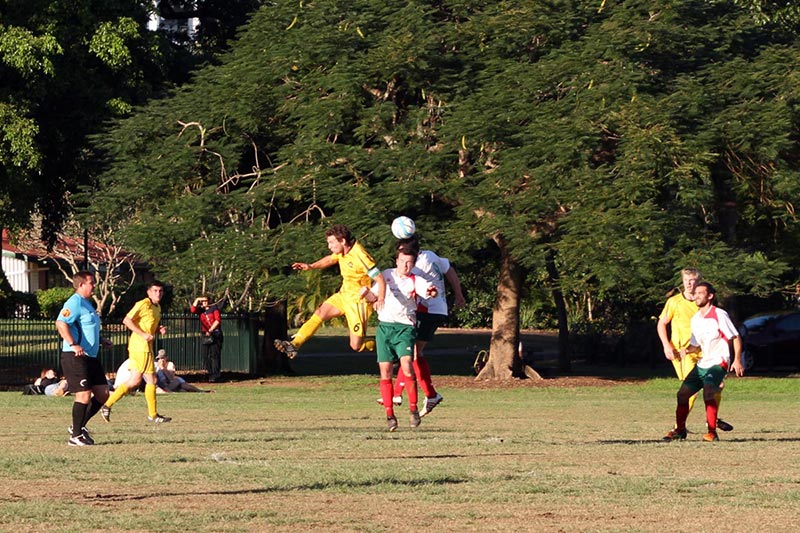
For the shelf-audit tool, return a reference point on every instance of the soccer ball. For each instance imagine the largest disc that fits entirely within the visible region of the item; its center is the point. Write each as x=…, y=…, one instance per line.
x=403, y=227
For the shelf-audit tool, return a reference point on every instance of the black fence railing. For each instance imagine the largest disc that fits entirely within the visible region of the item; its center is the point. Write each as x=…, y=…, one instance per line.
x=27, y=346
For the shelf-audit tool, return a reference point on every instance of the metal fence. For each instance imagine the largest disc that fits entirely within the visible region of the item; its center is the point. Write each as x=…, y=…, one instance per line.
x=27, y=346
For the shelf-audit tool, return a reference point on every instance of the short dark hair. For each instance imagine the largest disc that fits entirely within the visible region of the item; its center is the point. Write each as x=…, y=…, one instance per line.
x=341, y=232
x=82, y=276
x=154, y=283
x=709, y=288
x=410, y=244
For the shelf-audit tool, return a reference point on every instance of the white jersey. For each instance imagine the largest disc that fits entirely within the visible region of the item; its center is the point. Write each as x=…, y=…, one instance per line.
x=400, y=304
x=433, y=269
x=711, y=332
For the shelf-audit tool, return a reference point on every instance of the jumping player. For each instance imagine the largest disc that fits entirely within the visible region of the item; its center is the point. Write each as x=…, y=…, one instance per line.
x=143, y=321
x=712, y=331
x=358, y=272
x=678, y=313
x=397, y=330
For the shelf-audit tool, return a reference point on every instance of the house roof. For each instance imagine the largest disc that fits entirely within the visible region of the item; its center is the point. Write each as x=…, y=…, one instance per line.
x=34, y=249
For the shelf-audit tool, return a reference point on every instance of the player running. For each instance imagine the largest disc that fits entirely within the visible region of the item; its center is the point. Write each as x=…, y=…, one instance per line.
x=143, y=321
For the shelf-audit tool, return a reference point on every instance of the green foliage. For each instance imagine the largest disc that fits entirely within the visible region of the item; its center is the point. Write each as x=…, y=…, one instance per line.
x=27, y=53
x=109, y=42
x=51, y=301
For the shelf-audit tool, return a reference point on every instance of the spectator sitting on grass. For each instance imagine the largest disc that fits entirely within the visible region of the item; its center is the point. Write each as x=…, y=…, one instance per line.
x=166, y=379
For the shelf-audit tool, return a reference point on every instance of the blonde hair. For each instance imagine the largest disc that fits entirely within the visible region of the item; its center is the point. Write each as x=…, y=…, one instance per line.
x=691, y=272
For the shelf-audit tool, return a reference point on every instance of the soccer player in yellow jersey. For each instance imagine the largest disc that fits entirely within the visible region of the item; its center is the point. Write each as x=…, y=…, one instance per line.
x=143, y=321
x=358, y=271
x=678, y=313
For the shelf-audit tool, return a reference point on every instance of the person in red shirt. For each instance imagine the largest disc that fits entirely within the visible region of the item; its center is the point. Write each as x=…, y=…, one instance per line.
x=211, y=336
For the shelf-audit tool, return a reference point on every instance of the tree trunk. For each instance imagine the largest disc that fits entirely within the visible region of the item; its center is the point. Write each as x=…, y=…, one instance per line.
x=564, y=356
x=504, y=360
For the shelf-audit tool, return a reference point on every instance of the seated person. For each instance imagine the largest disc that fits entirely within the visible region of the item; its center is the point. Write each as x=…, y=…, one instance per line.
x=57, y=389
x=47, y=378
x=167, y=380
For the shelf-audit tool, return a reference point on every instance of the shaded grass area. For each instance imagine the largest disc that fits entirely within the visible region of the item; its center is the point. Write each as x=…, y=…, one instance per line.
x=311, y=453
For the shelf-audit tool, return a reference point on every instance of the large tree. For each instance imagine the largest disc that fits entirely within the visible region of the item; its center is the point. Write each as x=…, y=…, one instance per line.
x=589, y=148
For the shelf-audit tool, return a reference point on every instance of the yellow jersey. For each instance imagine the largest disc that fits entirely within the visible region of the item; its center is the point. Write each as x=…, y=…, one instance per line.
x=147, y=316
x=357, y=268
x=678, y=312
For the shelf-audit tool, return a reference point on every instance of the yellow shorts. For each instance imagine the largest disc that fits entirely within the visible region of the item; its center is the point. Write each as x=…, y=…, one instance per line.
x=356, y=311
x=686, y=364
x=142, y=362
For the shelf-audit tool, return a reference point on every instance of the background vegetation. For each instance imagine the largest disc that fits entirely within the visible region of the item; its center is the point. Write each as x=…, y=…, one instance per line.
x=571, y=154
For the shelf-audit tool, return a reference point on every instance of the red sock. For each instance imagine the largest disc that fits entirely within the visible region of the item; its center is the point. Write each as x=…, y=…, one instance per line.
x=411, y=392
x=423, y=372
x=681, y=413
x=399, y=382
x=711, y=415
x=386, y=396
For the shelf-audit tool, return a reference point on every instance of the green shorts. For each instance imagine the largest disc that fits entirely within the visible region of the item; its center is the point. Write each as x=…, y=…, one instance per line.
x=427, y=324
x=699, y=377
x=394, y=341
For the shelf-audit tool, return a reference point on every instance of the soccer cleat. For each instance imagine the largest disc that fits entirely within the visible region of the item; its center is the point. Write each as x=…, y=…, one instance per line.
x=430, y=403
x=80, y=440
x=391, y=423
x=415, y=419
x=711, y=436
x=675, y=434
x=158, y=419
x=723, y=426
x=85, y=433
x=286, y=347
x=396, y=400
x=105, y=412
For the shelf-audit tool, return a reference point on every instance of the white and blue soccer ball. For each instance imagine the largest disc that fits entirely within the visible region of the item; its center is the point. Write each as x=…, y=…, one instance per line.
x=403, y=227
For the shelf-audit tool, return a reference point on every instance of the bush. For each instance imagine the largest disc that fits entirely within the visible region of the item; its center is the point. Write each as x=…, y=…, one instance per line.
x=52, y=300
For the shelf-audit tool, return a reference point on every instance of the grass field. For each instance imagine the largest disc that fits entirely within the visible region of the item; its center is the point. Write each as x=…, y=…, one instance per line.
x=311, y=454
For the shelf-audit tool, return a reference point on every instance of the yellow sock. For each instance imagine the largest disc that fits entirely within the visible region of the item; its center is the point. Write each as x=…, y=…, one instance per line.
x=307, y=330
x=150, y=396
x=118, y=393
x=367, y=346
x=718, y=398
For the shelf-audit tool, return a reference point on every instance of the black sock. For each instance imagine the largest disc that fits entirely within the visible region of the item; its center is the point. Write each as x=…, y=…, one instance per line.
x=92, y=410
x=78, y=414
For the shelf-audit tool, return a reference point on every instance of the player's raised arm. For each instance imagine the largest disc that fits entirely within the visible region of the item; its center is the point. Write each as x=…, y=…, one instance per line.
x=325, y=262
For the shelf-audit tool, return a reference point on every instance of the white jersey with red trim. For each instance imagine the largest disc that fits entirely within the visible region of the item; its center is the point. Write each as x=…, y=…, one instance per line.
x=712, y=332
x=433, y=269
x=400, y=305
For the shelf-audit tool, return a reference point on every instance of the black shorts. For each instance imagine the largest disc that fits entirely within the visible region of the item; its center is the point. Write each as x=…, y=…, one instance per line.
x=82, y=373
x=427, y=324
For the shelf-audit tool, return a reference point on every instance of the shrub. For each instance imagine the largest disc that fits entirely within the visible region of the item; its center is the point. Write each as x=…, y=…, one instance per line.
x=52, y=300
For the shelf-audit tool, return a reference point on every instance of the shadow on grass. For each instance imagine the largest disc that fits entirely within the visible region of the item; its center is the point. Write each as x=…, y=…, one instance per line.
x=332, y=485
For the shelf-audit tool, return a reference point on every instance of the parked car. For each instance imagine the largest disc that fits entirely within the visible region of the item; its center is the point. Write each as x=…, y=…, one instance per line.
x=771, y=340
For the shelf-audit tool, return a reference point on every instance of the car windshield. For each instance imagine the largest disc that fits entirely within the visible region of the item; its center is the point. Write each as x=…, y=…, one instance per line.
x=790, y=322
x=755, y=323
